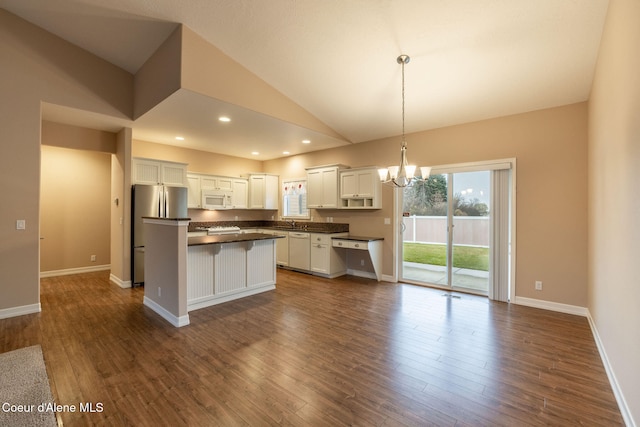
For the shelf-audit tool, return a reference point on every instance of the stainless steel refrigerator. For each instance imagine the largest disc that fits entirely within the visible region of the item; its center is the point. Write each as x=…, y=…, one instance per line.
x=152, y=201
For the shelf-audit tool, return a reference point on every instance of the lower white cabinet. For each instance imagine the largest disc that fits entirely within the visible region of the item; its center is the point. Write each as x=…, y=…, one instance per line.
x=325, y=260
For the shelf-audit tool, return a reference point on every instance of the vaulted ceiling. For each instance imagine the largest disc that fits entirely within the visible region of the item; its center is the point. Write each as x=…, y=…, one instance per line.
x=470, y=59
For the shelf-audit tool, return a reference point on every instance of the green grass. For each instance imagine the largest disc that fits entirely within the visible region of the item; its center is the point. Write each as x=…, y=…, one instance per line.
x=463, y=256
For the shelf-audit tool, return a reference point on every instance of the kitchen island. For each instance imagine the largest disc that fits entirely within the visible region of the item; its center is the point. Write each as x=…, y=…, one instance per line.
x=186, y=273
x=225, y=267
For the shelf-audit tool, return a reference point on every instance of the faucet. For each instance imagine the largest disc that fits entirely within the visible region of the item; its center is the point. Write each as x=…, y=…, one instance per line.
x=292, y=223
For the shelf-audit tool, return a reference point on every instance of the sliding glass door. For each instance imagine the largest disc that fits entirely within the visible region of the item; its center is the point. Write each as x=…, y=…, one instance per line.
x=469, y=231
x=446, y=231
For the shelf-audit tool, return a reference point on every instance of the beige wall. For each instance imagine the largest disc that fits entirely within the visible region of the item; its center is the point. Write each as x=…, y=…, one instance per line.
x=198, y=161
x=614, y=205
x=37, y=67
x=74, y=210
x=551, y=151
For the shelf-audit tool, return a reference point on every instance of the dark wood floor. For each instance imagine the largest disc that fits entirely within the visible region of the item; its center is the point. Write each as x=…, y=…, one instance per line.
x=315, y=352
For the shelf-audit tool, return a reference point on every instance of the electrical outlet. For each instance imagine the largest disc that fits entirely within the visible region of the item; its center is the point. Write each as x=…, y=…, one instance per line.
x=362, y=262
x=93, y=258
x=21, y=224
x=538, y=285
x=159, y=292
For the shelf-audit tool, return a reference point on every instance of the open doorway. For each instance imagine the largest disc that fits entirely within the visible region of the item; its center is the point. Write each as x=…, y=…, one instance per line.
x=75, y=204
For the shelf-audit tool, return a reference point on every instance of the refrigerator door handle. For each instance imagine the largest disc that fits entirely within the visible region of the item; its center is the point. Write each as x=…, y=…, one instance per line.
x=161, y=203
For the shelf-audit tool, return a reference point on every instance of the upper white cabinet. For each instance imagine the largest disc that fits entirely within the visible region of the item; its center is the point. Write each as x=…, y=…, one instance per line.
x=263, y=191
x=194, y=200
x=322, y=187
x=240, y=196
x=222, y=183
x=237, y=187
x=149, y=171
x=360, y=189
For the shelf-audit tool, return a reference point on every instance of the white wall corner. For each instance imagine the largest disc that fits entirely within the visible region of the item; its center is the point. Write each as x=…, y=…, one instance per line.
x=176, y=321
x=124, y=284
x=6, y=313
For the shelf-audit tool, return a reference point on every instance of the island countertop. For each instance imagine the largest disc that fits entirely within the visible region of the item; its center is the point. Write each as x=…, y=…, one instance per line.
x=229, y=238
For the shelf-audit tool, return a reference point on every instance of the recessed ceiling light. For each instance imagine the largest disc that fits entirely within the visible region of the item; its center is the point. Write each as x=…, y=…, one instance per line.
x=306, y=141
x=255, y=153
x=180, y=138
x=285, y=153
x=224, y=119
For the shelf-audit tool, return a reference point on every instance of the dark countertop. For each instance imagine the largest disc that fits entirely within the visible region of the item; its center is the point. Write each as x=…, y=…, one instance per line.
x=301, y=226
x=359, y=238
x=304, y=230
x=229, y=238
x=166, y=219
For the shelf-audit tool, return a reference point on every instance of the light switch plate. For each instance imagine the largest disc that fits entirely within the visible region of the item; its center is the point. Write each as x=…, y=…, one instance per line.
x=21, y=224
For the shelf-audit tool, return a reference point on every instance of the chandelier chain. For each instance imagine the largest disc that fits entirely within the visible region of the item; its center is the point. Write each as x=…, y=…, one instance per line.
x=403, y=138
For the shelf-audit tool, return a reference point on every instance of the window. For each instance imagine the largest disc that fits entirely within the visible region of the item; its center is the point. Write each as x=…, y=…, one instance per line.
x=294, y=198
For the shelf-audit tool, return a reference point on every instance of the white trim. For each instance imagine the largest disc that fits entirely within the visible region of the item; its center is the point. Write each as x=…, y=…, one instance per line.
x=124, y=284
x=361, y=273
x=78, y=270
x=553, y=306
x=208, y=301
x=6, y=313
x=388, y=278
x=615, y=387
x=165, y=314
x=478, y=166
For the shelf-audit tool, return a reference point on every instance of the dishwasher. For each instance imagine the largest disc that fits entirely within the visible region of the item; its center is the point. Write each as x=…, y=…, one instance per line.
x=299, y=251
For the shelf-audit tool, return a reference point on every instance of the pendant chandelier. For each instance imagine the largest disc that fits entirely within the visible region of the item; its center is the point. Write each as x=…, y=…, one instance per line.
x=402, y=175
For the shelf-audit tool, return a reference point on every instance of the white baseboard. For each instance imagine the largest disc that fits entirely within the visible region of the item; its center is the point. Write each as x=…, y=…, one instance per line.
x=124, y=284
x=622, y=403
x=553, y=306
x=166, y=314
x=68, y=271
x=360, y=273
x=5, y=313
x=388, y=278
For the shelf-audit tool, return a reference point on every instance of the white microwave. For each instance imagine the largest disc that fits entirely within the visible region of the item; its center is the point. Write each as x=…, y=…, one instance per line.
x=216, y=199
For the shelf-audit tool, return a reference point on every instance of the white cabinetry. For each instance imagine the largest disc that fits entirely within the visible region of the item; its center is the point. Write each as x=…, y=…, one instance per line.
x=325, y=259
x=223, y=272
x=322, y=187
x=240, y=188
x=360, y=189
x=149, y=171
x=210, y=182
x=263, y=191
x=194, y=200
